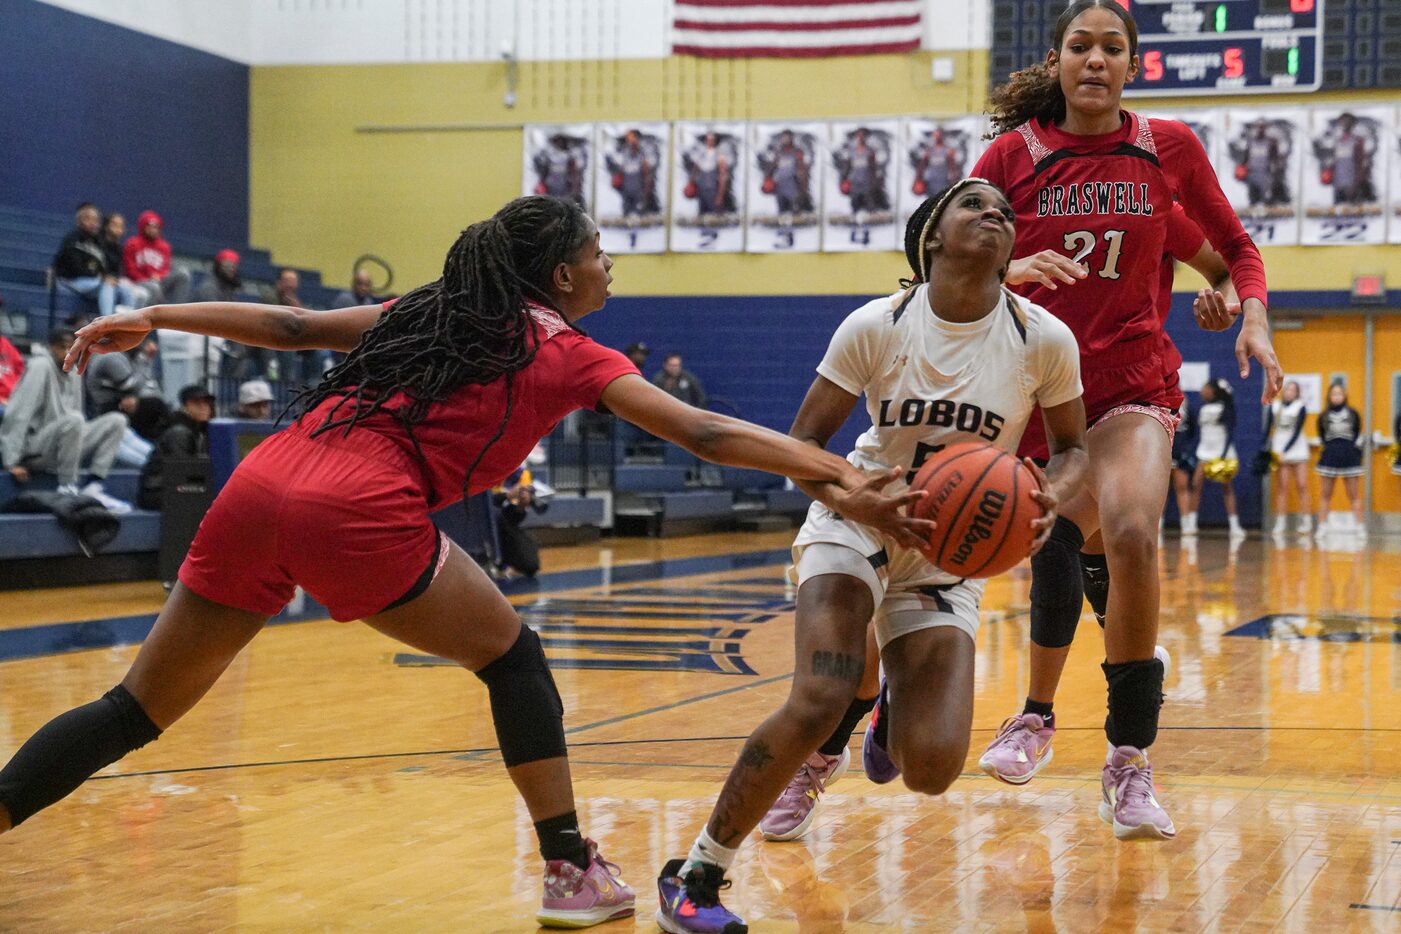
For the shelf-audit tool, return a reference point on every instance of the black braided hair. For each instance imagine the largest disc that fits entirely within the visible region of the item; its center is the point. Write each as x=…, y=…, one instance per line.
x=1034, y=91
x=470, y=327
x=924, y=221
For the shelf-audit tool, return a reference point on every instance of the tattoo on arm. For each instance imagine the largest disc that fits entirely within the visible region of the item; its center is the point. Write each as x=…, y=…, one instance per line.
x=837, y=665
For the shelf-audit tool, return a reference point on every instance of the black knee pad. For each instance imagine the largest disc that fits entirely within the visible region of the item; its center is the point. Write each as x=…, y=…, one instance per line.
x=1094, y=574
x=1056, y=592
x=1135, y=699
x=525, y=704
x=70, y=748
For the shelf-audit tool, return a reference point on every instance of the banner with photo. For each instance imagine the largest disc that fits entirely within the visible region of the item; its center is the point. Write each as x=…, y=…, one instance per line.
x=785, y=187
x=1393, y=145
x=558, y=161
x=708, y=187
x=858, y=205
x=1204, y=124
x=935, y=154
x=1260, y=171
x=630, y=186
x=1345, y=175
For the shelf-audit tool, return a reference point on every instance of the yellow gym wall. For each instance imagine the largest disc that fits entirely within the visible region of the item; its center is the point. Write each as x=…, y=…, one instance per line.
x=323, y=193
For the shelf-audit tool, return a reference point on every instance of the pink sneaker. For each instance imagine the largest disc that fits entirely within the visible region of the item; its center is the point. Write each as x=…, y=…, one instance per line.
x=1129, y=803
x=793, y=813
x=578, y=898
x=1021, y=749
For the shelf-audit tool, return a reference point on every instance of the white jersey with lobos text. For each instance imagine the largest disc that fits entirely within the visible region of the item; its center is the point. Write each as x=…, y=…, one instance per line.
x=930, y=383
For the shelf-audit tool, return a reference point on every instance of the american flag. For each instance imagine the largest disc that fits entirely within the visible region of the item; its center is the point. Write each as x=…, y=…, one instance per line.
x=795, y=28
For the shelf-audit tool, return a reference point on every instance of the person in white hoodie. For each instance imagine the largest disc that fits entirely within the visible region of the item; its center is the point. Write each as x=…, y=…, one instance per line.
x=44, y=429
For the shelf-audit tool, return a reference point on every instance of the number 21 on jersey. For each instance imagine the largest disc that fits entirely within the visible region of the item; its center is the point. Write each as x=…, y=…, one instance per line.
x=1081, y=243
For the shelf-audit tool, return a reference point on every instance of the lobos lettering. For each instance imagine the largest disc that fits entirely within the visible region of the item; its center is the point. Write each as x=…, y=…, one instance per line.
x=941, y=413
x=980, y=529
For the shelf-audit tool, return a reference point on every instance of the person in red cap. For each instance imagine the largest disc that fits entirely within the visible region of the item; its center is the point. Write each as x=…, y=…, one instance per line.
x=146, y=261
x=238, y=361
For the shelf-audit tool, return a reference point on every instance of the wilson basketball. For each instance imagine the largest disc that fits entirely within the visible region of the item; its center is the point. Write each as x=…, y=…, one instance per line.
x=979, y=498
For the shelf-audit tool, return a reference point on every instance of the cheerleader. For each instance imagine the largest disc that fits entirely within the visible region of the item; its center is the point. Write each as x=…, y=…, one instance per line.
x=1340, y=430
x=1284, y=427
x=1216, y=424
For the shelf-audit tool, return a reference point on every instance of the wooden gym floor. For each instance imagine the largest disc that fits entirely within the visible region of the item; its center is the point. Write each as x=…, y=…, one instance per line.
x=333, y=781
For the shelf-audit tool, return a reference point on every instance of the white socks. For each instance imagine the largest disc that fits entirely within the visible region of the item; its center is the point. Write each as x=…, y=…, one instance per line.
x=707, y=850
x=1189, y=524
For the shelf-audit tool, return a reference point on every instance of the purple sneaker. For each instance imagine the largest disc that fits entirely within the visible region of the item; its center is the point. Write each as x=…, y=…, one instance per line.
x=874, y=759
x=1129, y=803
x=580, y=898
x=1021, y=749
x=691, y=905
x=793, y=813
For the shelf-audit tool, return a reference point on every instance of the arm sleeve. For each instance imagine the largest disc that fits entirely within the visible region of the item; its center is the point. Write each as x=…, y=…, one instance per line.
x=850, y=361
x=1184, y=237
x=591, y=368
x=1201, y=197
x=1057, y=364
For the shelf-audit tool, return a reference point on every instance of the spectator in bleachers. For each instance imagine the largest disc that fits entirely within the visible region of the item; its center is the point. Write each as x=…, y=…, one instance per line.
x=124, y=383
x=295, y=367
x=146, y=262
x=185, y=435
x=638, y=353
x=113, y=230
x=44, y=429
x=236, y=361
x=361, y=292
x=254, y=401
x=81, y=264
x=11, y=368
x=679, y=383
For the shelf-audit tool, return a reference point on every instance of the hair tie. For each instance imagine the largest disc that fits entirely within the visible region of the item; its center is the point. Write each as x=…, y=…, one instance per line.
x=934, y=218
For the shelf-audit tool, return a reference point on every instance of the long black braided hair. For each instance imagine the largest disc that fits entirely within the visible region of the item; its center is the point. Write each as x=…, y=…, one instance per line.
x=470, y=327
x=923, y=222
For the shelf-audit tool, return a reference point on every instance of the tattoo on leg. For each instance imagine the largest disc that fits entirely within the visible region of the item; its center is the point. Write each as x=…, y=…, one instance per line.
x=837, y=665
x=756, y=755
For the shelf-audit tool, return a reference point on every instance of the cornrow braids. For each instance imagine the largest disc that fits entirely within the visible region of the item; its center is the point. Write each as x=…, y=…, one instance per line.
x=922, y=222
x=469, y=327
x=1036, y=93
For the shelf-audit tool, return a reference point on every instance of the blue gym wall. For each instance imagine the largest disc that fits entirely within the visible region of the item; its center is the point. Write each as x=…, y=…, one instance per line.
x=92, y=111
x=759, y=353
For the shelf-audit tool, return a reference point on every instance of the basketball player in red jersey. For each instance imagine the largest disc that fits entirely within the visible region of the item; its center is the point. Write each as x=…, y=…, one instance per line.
x=1093, y=187
x=443, y=394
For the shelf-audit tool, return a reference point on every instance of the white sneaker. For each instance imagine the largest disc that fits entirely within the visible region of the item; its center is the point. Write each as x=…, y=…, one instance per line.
x=1189, y=524
x=1236, y=530
x=1281, y=524
x=69, y=489
x=1306, y=524
x=117, y=507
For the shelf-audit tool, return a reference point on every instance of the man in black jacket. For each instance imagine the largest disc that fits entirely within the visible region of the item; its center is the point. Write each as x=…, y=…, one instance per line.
x=187, y=435
x=81, y=264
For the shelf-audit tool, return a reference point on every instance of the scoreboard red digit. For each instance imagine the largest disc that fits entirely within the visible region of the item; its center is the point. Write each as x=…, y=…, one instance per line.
x=1227, y=46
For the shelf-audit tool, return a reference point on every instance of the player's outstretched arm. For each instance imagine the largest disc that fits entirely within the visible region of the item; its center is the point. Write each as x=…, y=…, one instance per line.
x=825, y=409
x=1065, y=435
x=275, y=326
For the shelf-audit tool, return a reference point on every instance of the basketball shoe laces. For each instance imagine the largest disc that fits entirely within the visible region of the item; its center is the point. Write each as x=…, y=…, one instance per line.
x=1015, y=734
x=703, y=885
x=804, y=781
x=1133, y=784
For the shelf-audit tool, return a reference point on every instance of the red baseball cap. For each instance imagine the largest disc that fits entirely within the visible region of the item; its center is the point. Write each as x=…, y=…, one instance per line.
x=226, y=256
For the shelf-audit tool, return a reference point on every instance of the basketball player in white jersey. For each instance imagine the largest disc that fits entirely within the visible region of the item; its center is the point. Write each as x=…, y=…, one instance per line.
x=953, y=357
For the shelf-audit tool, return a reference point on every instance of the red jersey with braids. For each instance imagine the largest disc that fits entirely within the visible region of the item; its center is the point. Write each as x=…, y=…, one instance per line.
x=1105, y=201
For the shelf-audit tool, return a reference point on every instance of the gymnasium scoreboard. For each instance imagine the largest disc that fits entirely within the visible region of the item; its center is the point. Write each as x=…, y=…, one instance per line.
x=1228, y=47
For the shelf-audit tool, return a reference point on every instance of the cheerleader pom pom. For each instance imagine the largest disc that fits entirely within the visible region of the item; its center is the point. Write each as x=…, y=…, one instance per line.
x=1221, y=469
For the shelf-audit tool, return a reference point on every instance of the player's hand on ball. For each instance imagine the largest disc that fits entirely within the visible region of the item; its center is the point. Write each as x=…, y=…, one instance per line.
x=1046, y=500
x=1213, y=312
x=867, y=505
x=1047, y=267
x=108, y=334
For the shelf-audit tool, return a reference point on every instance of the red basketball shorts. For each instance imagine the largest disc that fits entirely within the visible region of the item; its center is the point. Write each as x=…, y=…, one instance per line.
x=348, y=523
x=1133, y=374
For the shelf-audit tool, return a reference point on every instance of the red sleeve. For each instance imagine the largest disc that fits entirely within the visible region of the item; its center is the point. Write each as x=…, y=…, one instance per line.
x=591, y=368
x=1200, y=194
x=1184, y=238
